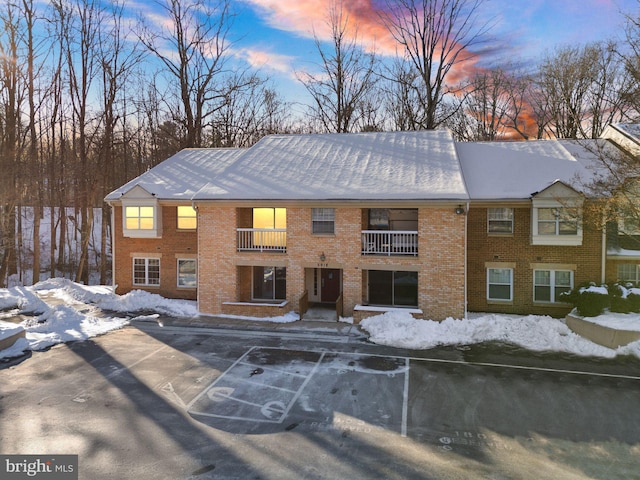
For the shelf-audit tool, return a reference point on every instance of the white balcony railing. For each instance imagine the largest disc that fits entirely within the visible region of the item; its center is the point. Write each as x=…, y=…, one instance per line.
x=262, y=239
x=389, y=242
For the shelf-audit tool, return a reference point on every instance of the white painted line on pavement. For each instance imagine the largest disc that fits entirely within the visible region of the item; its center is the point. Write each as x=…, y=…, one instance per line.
x=405, y=400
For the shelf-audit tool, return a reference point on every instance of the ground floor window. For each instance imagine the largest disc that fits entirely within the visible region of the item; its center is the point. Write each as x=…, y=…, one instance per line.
x=269, y=283
x=393, y=288
x=628, y=272
x=500, y=284
x=187, y=276
x=549, y=284
x=146, y=271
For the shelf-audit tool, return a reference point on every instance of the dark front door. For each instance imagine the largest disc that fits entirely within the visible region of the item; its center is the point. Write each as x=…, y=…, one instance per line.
x=330, y=284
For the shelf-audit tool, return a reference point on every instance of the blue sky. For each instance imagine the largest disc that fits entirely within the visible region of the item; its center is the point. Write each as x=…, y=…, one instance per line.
x=276, y=36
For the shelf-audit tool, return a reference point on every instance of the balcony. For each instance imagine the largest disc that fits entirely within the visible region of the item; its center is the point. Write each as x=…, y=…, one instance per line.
x=262, y=240
x=389, y=242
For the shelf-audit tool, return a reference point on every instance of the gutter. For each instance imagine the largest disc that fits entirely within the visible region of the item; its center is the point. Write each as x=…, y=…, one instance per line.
x=603, y=260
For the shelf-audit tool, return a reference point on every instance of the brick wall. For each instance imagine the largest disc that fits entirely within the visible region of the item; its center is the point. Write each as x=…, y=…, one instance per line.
x=517, y=251
x=225, y=274
x=172, y=245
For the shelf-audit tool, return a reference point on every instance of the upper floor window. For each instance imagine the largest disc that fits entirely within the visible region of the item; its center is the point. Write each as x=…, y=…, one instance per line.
x=500, y=220
x=323, y=220
x=187, y=218
x=270, y=218
x=557, y=221
x=141, y=219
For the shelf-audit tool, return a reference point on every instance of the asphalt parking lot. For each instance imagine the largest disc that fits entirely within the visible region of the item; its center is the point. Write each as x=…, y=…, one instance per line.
x=146, y=402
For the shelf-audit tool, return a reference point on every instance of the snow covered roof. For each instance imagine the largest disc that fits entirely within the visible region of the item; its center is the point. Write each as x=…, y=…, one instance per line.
x=517, y=170
x=423, y=165
x=360, y=166
x=181, y=175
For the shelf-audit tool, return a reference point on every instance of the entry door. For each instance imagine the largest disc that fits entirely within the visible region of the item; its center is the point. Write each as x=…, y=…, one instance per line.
x=330, y=284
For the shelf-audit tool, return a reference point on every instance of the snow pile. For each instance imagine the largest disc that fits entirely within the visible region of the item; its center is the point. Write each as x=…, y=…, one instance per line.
x=537, y=333
x=288, y=317
x=77, y=312
x=23, y=299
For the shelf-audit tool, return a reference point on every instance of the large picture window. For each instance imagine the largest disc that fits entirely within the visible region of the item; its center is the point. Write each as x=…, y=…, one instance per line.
x=549, y=284
x=269, y=283
x=393, y=288
x=146, y=271
x=500, y=284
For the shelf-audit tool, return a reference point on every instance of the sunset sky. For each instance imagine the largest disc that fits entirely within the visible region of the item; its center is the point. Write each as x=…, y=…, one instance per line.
x=276, y=36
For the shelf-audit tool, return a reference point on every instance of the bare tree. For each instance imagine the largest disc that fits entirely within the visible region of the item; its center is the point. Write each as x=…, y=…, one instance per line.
x=11, y=98
x=346, y=75
x=197, y=40
x=436, y=37
x=584, y=88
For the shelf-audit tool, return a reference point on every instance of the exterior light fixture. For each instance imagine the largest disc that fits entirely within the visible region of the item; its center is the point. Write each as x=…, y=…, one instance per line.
x=459, y=210
x=322, y=257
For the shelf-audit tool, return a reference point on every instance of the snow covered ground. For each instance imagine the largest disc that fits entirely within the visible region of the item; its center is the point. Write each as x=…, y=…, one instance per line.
x=76, y=312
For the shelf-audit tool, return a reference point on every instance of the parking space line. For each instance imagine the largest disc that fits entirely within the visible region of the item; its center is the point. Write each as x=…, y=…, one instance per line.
x=405, y=400
x=275, y=411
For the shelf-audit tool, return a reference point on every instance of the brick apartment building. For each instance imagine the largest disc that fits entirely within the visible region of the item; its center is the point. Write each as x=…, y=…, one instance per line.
x=364, y=223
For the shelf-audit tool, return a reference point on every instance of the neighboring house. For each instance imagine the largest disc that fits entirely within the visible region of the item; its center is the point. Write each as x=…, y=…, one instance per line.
x=363, y=223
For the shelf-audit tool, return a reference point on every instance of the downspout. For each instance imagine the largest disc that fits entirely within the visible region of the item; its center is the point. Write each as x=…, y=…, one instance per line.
x=113, y=247
x=466, y=235
x=603, y=260
x=193, y=205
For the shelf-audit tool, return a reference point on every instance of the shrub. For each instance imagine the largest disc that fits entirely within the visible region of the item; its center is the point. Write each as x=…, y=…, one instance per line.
x=588, y=299
x=618, y=299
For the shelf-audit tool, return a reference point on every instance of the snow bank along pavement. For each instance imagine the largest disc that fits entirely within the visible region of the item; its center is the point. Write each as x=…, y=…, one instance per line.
x=80, y=315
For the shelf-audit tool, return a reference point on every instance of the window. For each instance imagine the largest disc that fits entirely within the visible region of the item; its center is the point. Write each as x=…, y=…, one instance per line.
x=187, y=276
x=323, y=220
x=187, y=219
x=393, y=288
x=146, y=271
x=500, y=284
x=555, y=224
x=500, y=220
x=270, y=218
x=139, y=218
x=549, y=284
x=557, y=221
x=269, y=283
x=628, y=272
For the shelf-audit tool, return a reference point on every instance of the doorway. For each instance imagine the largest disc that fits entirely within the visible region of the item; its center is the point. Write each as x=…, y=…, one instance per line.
x=329, y=285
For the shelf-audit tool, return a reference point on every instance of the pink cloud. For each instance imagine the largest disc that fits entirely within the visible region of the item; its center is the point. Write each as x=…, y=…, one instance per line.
x=310, y=17
x=268, y=60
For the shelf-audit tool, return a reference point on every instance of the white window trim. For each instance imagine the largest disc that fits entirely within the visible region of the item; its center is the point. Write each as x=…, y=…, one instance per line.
x=178, y=260
x=501, y=300
x=560, y=240
x=137, y=233
x=146, y=272
x=552, y=285
x=489, y=220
